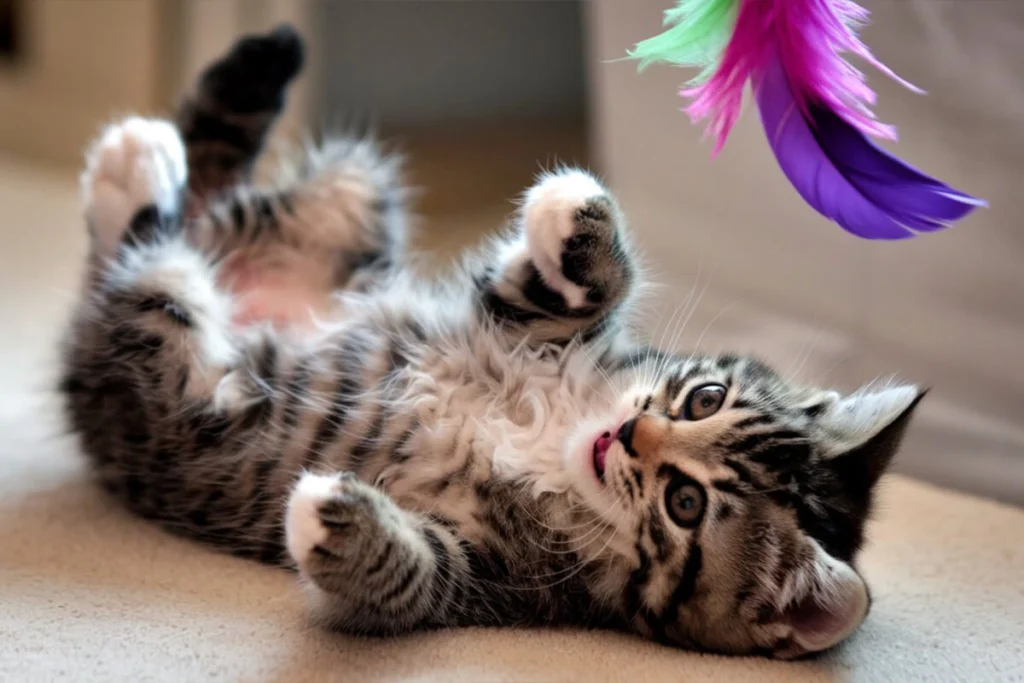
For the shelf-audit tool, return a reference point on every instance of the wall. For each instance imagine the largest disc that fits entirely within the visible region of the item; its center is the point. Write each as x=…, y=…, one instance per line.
x=427, y=61
x=90, y=60
x=84, y=61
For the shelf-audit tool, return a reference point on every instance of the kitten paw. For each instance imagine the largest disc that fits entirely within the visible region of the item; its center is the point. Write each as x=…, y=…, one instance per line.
x=565, y=216
x=135, y=163
x=332, y=518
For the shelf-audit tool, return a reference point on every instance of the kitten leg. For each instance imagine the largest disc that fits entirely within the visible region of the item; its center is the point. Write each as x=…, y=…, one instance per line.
x=343, y=209
x=226, y=119
x=153, y=307
x=157, y=384
x=285, y=252
x=370, y=566
x=335, y=218
x=567, y=268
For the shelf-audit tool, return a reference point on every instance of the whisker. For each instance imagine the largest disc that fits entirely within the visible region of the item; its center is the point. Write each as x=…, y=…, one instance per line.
x=707, y=327
x=802, y=358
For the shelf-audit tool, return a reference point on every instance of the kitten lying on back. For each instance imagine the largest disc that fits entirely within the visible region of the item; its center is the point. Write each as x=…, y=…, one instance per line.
x=259, y=372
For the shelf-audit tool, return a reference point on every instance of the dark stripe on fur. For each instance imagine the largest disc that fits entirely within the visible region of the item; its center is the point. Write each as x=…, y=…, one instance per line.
x=687, y=586
x=224, y=124
x=349, y=361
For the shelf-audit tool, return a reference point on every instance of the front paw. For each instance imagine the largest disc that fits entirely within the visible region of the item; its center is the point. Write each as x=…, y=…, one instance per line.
x=571, y=225
x=335, y=522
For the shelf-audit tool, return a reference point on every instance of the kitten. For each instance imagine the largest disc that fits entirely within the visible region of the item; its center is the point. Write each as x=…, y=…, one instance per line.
x=254, y=368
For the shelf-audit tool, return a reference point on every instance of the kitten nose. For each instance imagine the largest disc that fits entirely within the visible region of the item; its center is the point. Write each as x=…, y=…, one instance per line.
x=626, y=436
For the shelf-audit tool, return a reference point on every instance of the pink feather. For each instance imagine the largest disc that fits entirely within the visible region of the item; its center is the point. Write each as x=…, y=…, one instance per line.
x=808, y=36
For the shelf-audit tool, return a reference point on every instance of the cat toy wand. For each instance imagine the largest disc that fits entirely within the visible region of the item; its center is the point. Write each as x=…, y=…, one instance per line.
x=815, y=107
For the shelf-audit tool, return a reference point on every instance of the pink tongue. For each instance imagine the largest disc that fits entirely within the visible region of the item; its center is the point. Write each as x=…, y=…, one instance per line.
x=602, y=444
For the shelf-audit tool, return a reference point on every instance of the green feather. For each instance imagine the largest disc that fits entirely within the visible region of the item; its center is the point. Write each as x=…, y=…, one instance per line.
x=700, y=31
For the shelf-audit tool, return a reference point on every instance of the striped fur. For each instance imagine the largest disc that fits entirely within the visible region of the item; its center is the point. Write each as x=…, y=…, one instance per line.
x=258, y=371
x=224, y=122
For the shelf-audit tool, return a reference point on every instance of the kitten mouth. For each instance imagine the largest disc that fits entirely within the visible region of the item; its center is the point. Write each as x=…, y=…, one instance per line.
x=600, y=453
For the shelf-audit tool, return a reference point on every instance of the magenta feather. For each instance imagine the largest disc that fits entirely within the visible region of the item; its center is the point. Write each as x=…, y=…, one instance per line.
x=812, y=35
x=720, y=98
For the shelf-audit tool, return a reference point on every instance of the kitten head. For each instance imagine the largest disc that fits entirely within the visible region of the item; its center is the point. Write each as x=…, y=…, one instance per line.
x=745, y=500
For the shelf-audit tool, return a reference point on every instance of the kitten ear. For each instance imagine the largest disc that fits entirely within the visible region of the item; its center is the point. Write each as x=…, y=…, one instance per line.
x=865, y=429
x=828, y=601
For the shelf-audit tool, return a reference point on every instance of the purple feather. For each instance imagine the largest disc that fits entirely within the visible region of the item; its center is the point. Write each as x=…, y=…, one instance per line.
x=845, y=176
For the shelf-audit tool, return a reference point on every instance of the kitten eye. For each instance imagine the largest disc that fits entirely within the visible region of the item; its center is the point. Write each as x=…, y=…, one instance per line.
x=684, y=500
x=704, y=401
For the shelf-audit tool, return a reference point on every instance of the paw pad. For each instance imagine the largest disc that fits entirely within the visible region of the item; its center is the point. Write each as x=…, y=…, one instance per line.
x=135, y=163
x=553, y=212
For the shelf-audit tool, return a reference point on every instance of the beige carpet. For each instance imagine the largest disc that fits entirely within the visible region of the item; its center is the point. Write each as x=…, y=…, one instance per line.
x=91, y=594
x=88, y=593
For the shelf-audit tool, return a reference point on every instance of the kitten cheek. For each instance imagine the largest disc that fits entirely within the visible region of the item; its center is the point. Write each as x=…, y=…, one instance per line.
x=616, y=469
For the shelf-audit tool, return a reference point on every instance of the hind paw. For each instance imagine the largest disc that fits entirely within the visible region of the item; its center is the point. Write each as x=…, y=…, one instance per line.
x=136, y=163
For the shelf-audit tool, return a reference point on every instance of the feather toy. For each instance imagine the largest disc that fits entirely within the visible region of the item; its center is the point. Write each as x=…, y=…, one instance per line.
x=815, y=107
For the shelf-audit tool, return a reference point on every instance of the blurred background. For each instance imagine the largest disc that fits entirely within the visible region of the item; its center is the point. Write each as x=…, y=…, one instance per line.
x=483, y=93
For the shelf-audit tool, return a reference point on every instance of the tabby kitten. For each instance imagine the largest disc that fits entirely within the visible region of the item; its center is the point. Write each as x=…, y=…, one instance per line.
x=254, y=367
